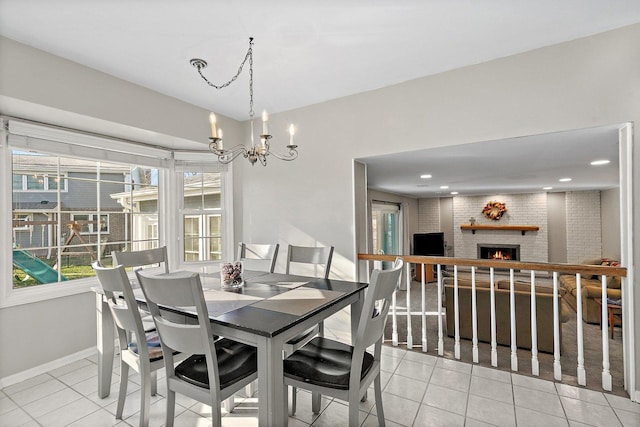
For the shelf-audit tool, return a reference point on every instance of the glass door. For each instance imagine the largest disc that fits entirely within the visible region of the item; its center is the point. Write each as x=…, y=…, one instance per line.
x=386, y=230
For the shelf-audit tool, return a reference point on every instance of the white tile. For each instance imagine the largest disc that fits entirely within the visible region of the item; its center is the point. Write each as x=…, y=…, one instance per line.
x=15, y=417
x=491, y=373
x=131, y=404
x=38, y=392
x=399, y=410
x=623, y=403
x=157, y=414
x=581, y=393
x=336, y=414
x=628, y=418
x=537, y=400
x=451, y=379
x=69, y=413
x=490, y=411
x=303, y=406
x=297, y=423
x=416, y=370
x=79, y=375
x=496, y=390
x=419, y=357
x=530, y=418
x=589, y=413
x=434, y=417
x=191, y=419
x=99, y=418
x=372, y=421
x=389, y=363
x=470, y=422
x=406, y=387
x=398, y=352
x=446, y=399
x=6, y=405
x=454, y=365
x=533, y=383
x=23, y=385
x=52, y=402
x=72, y=367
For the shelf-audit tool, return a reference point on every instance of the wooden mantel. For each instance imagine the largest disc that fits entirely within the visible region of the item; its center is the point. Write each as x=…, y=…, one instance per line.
x=522, y=228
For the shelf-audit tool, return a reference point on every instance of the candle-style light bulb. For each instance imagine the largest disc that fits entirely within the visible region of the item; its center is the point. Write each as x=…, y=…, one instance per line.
x=213, y=120
x=292, y=131
x=265, y=119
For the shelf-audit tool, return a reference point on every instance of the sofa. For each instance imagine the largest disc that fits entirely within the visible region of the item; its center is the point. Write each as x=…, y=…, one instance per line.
x=591, y=289
x=544, y=310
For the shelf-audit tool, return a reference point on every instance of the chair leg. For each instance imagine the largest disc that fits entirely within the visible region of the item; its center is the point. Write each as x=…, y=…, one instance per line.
x=145, y=395
x=354, y=409
x=377, y=385
x=294, y=400
x=316, y=399
x=171, y=407
x=154, y=383
x=122, y=392
x=216, y=413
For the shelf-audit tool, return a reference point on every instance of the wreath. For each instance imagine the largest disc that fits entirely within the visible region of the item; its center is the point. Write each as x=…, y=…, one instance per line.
x=494, y=210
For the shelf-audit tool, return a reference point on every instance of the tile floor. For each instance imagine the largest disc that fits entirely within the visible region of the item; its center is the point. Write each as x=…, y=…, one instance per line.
x=418, y=390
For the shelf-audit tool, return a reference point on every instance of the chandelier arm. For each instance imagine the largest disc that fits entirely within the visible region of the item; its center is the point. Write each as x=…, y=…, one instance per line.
x=292, y=155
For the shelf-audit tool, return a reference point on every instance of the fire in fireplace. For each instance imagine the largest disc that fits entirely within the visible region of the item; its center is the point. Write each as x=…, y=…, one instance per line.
x=498, y=252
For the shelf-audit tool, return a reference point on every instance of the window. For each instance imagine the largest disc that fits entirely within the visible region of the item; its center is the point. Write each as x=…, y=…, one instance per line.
x=38, y=182
x=202, y=216
x=90, y=224
x=106, y=206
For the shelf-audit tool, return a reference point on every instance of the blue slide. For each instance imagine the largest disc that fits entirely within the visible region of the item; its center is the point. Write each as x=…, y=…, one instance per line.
x=35, y=267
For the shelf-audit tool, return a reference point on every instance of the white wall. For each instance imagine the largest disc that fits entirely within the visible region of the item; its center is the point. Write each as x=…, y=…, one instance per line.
x=583, y=83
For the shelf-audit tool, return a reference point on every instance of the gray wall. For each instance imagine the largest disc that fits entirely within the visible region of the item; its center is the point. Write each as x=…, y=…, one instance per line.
x=583, y=83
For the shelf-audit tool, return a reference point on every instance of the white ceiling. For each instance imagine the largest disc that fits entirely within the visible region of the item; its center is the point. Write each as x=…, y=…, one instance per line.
x=308, y=52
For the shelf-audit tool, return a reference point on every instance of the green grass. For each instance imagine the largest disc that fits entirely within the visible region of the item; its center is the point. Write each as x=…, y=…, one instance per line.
x=72, y=268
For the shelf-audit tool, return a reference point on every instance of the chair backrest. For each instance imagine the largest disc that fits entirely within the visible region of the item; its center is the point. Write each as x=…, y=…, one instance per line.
x=123, y=306
x=310, y=255
x=142, y=258
x=182, y=289
x=258, y=257
x=376, y=305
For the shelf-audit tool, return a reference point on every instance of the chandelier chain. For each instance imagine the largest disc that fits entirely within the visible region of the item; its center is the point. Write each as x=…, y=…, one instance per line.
x=247, y=57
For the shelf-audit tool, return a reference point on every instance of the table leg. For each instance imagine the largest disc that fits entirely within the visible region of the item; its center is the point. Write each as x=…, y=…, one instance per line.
x=104, y=344
x=272, y=407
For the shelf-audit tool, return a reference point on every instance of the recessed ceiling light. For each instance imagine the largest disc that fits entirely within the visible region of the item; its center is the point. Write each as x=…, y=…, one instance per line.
x=444, y=187
x=547, y=188
x=454, y=193
x=564, y=179
x=600, y=162
x=425, y=176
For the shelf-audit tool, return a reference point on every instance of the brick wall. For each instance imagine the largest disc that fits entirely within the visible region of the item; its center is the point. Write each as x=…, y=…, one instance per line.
x=584, y=234
x=429, y=215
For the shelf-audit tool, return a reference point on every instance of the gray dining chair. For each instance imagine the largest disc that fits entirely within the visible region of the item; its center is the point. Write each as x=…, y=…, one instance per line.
x=333, y=368
x=319, y=257
x=138, y=349
x=142, y=258
x=216, y=370
x=258, y=257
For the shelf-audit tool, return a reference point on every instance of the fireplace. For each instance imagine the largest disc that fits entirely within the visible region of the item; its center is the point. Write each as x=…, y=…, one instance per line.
x=499, y=251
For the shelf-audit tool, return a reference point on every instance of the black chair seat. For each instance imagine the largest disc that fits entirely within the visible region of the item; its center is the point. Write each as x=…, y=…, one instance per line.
x=324, y=362
x=235, y=362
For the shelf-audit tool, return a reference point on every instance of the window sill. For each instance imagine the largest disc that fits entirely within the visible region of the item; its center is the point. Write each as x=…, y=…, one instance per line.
x=15, y=297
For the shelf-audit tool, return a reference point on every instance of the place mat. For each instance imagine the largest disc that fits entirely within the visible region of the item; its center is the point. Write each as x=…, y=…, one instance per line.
x=298, y=301
x=220, y=302
x=290, y=285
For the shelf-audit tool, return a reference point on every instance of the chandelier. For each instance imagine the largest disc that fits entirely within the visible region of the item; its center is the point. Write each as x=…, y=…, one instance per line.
x=254, y=152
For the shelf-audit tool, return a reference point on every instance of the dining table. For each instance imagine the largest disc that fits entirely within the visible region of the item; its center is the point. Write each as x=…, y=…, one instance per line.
x=268, y=310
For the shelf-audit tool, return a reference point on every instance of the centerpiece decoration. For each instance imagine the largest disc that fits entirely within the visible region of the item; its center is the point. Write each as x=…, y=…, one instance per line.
x=494, y=210
x=231, y=275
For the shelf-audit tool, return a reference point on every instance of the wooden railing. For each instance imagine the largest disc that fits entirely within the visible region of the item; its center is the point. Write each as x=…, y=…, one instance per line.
x=535, y=270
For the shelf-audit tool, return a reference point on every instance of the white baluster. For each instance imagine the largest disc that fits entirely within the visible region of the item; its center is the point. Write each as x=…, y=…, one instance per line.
x=557, y=368
x=394, y=320
x=582, y=374
x=535, y=363
x=474, y=316
x=456, y=310
x=606, y=374
x=440, y=336
x=409, y=331
x=424, y=311
x=494, y=343
x=512, y=311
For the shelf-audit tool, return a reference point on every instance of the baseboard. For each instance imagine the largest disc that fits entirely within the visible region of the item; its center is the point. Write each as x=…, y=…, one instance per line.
x=44, y=368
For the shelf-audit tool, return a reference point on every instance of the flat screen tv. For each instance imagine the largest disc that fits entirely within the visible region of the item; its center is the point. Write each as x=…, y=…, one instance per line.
x=428, y=244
